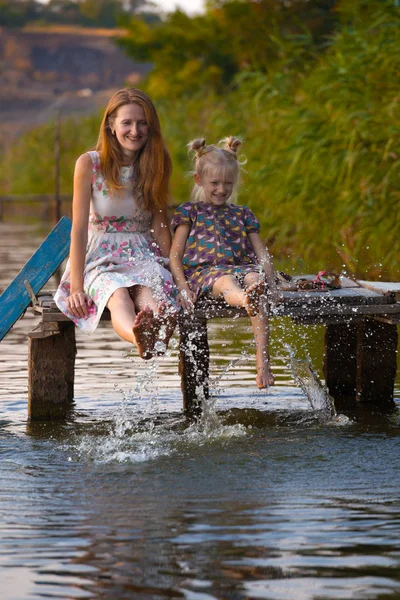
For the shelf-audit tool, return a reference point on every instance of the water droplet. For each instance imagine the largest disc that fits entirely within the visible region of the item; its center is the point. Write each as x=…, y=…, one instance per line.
x=160, y=346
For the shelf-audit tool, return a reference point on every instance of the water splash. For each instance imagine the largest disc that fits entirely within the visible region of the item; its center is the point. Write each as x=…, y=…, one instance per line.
x=139, y=431
x=317, y=394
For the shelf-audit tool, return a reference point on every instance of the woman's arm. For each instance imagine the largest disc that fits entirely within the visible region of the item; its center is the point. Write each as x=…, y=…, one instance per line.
x=78, y=301
x=265, y=260
x=160, y=230
x=186, y=296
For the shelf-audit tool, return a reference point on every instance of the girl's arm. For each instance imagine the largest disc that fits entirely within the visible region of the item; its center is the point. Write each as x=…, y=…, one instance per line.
x=160, y=230
x=186, y=296
x=265, y=260
x=78, y=301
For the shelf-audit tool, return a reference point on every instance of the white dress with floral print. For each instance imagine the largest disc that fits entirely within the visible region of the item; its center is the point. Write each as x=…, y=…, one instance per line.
x=120, y=250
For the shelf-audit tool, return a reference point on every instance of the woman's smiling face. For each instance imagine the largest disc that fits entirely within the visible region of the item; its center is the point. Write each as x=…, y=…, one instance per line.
x=131, y=129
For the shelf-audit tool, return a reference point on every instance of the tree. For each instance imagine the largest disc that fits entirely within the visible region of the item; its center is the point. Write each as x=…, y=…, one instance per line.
x=208, y=51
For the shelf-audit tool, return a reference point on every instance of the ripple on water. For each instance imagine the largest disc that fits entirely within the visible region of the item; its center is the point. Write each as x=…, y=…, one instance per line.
x=261, y=499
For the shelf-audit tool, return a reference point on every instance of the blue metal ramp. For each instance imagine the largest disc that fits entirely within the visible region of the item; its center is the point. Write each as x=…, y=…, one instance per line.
x=34, y=275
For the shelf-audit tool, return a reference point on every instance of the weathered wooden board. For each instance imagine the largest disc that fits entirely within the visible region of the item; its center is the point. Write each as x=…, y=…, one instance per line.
x=37, y=271
x=343, y=311
x=345, y=296
x=342, y=305
x=390, y=288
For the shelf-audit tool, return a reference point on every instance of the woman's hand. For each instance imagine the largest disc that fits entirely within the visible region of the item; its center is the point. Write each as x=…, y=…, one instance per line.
x=78, y=304
x=187, y=298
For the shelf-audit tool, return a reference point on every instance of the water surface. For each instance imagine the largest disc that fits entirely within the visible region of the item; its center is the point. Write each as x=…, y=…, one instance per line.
x=126, y=500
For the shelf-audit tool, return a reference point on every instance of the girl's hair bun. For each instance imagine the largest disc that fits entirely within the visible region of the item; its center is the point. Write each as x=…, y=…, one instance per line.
x=231, y=144
x=198, y=146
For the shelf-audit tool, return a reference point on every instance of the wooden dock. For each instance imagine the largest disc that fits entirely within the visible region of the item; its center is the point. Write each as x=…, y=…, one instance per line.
x=360, y=356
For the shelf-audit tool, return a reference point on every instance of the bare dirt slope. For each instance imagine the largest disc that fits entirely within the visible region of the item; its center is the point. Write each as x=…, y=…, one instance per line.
x=72, y=70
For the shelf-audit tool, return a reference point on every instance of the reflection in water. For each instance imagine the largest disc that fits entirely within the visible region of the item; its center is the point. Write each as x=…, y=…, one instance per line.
x=128, y=500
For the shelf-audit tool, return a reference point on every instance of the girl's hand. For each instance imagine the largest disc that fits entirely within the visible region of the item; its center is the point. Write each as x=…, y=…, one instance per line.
x=78, y=303
x=187, y=298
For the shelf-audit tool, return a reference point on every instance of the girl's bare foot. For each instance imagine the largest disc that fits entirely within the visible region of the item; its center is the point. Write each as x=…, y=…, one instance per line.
x=264, y=377
x=165, y=321
x=252, y=298
x=143, y=333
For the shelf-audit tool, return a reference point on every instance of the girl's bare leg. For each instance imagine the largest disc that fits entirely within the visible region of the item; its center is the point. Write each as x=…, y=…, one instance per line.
x=228, y=287
x=133, y=326
x=260, y=326
x=230, y=290
x=255, y=290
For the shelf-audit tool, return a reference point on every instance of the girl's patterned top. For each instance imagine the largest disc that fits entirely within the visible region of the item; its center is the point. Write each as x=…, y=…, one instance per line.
x=218, y=234
x=217, y=243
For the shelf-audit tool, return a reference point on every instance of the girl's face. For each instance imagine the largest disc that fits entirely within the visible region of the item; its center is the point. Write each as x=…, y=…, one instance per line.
x=217, y=186
x=131, y=129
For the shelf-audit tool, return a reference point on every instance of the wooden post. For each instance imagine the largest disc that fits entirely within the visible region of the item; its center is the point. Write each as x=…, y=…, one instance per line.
x=376, y=361
x=51, y=366
x=57, y=168
x=194, y=362
x=340, y=360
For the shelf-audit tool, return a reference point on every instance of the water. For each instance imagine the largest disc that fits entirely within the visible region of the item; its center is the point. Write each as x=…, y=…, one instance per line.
x=126, y=500
x=317, y=393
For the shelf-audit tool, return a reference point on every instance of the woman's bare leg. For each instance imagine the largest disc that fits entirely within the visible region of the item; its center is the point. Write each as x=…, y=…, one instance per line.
x=165, y=315
x=133, y=326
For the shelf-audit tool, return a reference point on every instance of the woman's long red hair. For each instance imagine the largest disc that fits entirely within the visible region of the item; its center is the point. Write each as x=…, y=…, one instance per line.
x=153, y=167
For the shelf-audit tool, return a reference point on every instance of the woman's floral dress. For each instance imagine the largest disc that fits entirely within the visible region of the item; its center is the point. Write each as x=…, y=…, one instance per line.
x=120, y=252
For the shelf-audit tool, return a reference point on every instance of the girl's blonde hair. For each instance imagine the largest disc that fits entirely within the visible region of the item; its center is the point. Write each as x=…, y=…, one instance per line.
x=210, y=158
x=153, y=164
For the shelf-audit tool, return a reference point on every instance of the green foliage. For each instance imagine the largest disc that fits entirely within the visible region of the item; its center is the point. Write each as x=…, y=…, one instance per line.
x=321, y=128
x=30, y=162
x=207, y=51
x=321, y=135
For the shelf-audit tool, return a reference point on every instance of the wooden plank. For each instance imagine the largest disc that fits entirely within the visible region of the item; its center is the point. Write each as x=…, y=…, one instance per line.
x=342, y=310
x=37, y=271
x=56, y=316
x=389, y=319
x=306, y=305
x=346, y=282
x=387, y=288
x=346, y=296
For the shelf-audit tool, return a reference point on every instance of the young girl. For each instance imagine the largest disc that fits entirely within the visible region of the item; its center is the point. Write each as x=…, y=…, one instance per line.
x=120, y=237
x=217, y=248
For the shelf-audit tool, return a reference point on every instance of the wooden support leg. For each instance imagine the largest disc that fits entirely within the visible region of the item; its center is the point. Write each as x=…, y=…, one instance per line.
x=51, y=365
x=194, y=360
x=376, y=361
x=340, y=361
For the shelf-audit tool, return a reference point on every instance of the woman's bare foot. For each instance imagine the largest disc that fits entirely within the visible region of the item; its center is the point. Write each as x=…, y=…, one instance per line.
x=143, y=333
x=252, y=298
x=165, y=322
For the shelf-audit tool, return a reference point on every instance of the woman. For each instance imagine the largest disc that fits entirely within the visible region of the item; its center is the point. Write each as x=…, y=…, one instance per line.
x=120, y=239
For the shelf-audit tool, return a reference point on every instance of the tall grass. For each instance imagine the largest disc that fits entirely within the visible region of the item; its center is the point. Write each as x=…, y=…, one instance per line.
x=321, y=138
